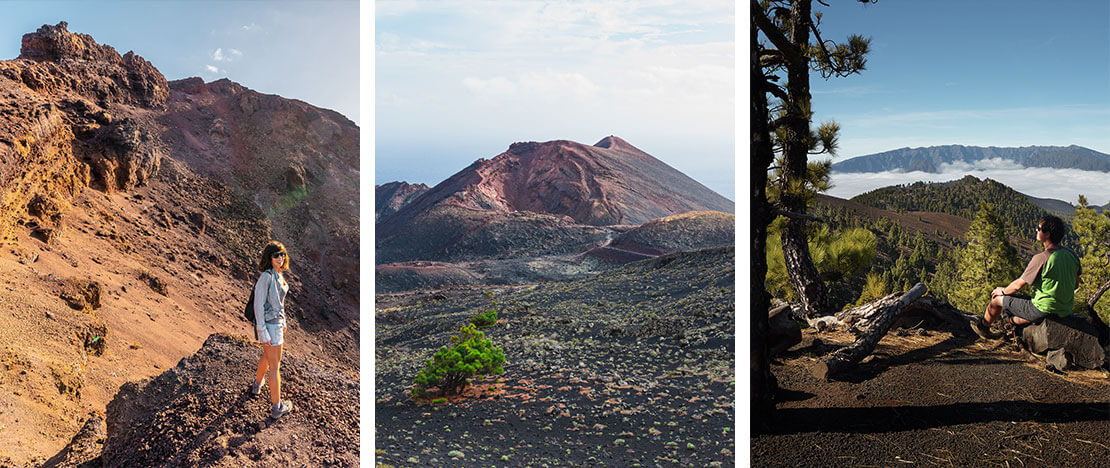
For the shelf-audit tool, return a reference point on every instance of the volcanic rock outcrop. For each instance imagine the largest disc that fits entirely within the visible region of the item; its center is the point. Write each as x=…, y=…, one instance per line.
x=57, y=134
x=554, y=192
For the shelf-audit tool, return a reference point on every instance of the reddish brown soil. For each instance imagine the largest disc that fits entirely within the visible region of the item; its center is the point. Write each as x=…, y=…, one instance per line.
x=944, y=399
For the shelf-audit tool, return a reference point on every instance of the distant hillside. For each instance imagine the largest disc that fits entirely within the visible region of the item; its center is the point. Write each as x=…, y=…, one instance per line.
x=929, y=223
x=930, y=159
x=1057, y=207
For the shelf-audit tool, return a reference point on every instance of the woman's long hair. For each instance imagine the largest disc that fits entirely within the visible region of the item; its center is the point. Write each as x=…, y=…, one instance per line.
x=272, y=248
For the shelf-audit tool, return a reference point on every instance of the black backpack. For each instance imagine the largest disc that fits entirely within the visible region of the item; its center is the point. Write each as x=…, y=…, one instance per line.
x=248, y=311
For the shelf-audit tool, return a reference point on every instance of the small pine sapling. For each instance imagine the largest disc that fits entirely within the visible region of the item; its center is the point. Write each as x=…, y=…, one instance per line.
x=470, y=354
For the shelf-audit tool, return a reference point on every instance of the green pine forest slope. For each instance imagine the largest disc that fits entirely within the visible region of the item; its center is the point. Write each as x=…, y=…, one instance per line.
x=920, y=228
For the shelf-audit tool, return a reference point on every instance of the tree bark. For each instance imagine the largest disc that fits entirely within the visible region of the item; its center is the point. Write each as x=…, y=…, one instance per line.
x=803, y=274
x=1095, y=296
x=1094, y=318
x=795, y=147
x=875, y=319
x=762, y=382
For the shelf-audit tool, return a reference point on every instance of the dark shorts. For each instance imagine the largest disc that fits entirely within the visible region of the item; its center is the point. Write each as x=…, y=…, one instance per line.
x=1021, y=306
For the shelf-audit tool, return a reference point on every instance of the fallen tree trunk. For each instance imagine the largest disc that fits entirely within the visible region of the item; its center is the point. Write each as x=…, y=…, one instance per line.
x=872, y=320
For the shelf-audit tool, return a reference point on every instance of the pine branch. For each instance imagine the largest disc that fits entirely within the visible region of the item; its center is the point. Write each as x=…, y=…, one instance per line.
x=828, y=61
x=790, y=52
x=777, y=91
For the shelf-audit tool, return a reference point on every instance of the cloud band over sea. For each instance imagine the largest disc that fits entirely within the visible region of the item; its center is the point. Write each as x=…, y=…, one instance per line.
x=1060, y=184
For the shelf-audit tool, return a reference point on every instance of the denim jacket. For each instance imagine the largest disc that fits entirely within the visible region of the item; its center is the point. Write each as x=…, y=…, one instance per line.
x=269, y=300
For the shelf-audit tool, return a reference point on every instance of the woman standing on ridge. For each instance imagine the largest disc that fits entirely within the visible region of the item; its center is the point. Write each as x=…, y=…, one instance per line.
x=269, y=319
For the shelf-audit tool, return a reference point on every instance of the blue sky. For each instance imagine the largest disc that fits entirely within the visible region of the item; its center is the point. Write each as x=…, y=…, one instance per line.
x=983, y=73
x=300, y=50
x=457, y=81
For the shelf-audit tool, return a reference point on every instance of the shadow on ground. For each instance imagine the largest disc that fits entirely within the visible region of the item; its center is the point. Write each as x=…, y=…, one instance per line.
x=883, y=419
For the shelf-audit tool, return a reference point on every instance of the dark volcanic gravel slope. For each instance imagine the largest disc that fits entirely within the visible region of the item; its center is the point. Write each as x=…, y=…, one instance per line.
x=633, y=366
x=944, y=399
x=200, y=414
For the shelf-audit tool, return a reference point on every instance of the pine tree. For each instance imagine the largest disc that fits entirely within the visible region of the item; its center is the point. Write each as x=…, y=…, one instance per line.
x=944, y=280
x=988, y=261
x=874, y=288
x=791, y=52
x=783, y=50
x=1093, y=231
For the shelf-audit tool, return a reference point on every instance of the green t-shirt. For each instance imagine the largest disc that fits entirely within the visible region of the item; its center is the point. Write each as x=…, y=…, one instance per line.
x=1053, y=275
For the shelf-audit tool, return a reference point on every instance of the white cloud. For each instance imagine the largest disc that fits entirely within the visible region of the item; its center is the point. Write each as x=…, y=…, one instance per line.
x=1060, y=184
x=994, y=164
x=211, y=69
x=547, y=84
x=251, y=27
x=220, y=56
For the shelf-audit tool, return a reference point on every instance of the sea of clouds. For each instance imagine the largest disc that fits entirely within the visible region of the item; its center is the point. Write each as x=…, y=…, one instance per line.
x=1061, y=184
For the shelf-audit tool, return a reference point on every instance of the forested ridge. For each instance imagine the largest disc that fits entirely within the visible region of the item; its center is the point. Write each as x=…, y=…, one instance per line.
x=962, y=198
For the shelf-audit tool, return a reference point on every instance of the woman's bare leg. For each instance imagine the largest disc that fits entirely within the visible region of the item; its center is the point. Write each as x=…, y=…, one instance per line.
x=274, y=355
x=263, y=364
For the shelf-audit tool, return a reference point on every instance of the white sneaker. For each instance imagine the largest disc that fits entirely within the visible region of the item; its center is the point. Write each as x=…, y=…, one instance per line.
x=281, y=408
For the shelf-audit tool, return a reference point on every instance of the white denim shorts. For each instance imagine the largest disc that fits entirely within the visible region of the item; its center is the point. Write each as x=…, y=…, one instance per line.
x=274, y=333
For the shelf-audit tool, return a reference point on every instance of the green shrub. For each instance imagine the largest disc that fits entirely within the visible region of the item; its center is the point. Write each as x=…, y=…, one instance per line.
x=439, y=401
x=485, y=320
x=470, y=354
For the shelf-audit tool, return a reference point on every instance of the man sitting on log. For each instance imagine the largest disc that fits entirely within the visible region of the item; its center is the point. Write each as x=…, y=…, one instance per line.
x=1054, y=275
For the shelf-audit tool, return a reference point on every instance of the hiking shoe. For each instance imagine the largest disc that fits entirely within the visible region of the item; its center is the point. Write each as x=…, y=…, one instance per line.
x=256, y=388
x=982, y=329
x=281, y=408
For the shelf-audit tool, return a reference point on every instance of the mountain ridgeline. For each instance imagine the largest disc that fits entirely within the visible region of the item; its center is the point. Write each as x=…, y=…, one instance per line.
x=930, y=159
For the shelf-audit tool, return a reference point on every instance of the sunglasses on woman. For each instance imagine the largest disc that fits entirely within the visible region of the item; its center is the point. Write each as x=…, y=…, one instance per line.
x=279, y=254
